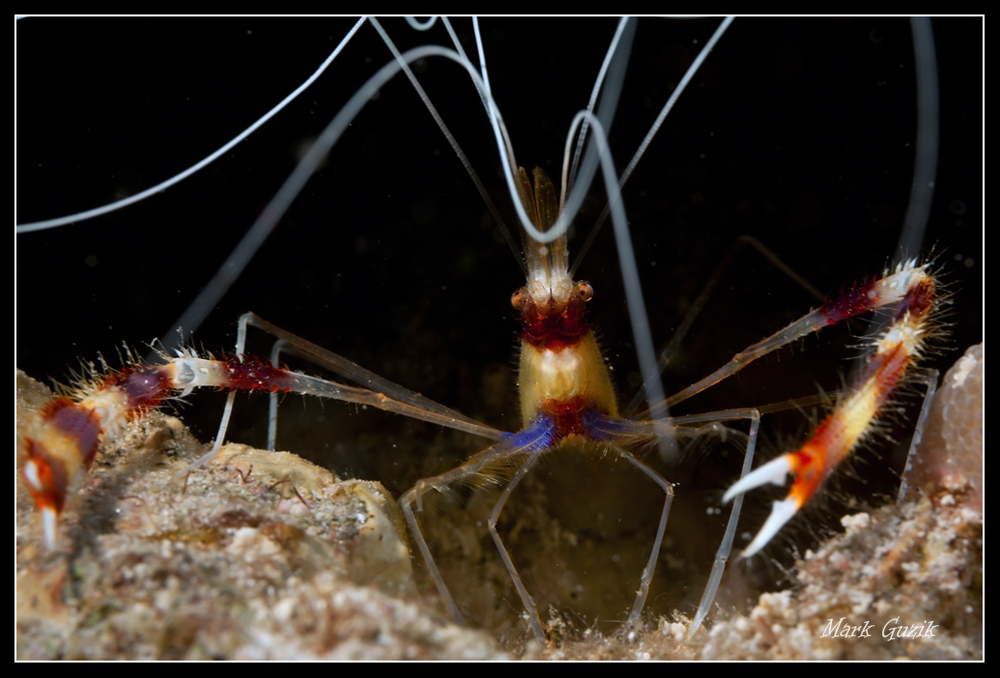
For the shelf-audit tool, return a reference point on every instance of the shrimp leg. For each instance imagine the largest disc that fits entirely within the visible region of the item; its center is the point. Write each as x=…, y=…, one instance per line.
x=855, y=416
x=532, y=441
x=382, y=393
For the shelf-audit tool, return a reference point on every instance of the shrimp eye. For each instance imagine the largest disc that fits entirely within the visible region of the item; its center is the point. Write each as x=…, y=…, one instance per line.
x=585, y=291
x=517, y=299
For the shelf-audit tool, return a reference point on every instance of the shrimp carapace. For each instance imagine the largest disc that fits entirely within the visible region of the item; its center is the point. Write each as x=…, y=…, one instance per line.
x=562, y=372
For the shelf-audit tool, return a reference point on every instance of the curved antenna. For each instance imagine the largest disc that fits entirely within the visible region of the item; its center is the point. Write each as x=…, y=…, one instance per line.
x=695, y=66
x=612, y=48
x=487, y=94
x=606, y=114
x=425, y=26
x=248, y=246
x=918, y=210
x=483, y=92
x=164, y=185
x=251, y=242
x=461, y=50
x=641, y=332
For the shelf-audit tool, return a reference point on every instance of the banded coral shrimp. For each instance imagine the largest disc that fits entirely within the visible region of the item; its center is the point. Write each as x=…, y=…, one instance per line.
x=381, y=324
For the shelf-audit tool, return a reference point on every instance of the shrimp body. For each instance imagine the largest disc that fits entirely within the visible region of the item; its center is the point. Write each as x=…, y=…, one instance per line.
x=696, y=195
x=562, y=372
